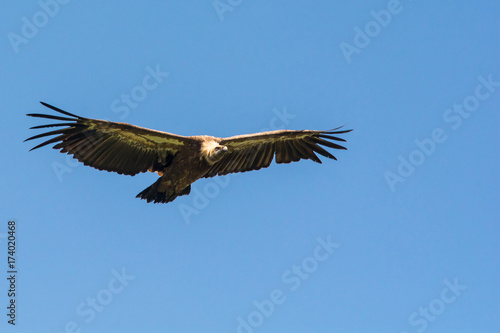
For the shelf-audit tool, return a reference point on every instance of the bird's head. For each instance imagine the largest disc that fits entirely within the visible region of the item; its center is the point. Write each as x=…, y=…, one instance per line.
x=215, y=153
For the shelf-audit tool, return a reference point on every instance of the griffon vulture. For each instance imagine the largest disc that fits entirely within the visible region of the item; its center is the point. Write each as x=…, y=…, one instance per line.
x=178, y=160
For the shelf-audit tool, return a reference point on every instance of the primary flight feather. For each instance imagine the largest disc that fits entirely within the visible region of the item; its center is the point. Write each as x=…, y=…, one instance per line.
x=178, y=160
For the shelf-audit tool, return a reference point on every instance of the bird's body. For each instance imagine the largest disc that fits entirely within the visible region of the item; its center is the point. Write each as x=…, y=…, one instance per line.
x=178, y=160
x=176, y=178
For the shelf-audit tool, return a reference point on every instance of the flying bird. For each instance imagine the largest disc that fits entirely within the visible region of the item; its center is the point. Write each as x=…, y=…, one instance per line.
x=178, y=160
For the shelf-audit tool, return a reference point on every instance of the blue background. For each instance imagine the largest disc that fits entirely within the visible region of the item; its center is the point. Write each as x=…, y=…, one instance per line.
x=231, y=73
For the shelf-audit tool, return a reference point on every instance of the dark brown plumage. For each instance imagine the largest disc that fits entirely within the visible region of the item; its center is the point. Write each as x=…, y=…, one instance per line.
x=179, y=160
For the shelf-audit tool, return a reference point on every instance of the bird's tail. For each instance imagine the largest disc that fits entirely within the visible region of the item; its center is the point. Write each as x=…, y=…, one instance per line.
x=152, y=193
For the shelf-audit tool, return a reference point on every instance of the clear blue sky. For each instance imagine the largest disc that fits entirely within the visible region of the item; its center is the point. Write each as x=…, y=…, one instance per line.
x=401, y=234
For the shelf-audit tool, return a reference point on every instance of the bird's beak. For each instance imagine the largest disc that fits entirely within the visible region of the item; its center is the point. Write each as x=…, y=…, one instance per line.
x=224, y=148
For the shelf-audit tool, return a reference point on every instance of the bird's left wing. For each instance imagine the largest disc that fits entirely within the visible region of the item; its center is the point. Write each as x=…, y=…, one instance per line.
x=256, y=151
x=110, y=146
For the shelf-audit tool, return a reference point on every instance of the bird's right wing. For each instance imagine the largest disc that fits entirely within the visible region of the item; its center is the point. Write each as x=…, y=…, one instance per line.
x=110, y=146
x=255, y=151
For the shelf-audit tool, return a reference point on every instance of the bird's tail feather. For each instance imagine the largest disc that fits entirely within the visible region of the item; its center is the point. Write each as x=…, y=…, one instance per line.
x=153, y=194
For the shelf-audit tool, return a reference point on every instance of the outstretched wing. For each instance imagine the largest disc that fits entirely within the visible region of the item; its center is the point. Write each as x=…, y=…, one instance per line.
x=110, y=146
x=256, y=151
